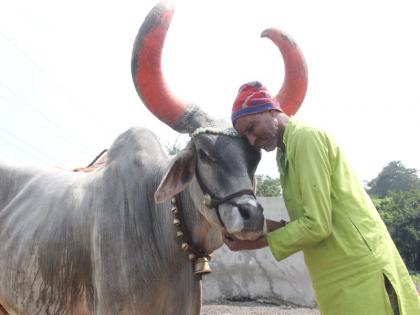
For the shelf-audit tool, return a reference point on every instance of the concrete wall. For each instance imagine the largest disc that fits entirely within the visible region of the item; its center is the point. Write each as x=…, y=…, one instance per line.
x=256, y=274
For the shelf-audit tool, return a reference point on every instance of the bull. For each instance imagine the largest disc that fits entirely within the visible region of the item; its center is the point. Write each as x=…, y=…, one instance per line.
x=134, y=236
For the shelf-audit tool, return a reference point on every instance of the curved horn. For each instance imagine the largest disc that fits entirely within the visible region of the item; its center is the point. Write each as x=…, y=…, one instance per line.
x=148, y=78
x=293, y=90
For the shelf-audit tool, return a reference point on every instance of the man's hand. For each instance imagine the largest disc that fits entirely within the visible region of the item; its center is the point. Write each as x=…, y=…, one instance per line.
x=274, y=225
x=237, y=245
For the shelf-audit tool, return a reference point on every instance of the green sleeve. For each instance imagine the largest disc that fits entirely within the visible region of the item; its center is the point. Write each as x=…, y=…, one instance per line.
x=313, y=177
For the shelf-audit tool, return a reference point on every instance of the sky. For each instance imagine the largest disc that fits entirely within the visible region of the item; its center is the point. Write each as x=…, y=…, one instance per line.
x=66, y=90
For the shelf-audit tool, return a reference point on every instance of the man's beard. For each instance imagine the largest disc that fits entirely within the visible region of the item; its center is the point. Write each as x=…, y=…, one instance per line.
x=267, y=142
x=270, y=147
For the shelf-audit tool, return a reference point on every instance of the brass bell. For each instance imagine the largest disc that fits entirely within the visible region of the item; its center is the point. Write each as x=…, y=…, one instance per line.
x=173, y=200
x=179, y=234
x=174, y=210
x=184, y=246
x=201, y=266
x=207, y=201
x=176, y=222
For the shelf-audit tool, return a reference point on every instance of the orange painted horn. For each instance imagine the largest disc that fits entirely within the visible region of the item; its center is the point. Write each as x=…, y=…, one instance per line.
x=293, y=90
x=147, y=71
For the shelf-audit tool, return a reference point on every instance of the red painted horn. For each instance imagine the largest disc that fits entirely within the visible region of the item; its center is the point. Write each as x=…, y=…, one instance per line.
x=293, y=90
x=146, y=67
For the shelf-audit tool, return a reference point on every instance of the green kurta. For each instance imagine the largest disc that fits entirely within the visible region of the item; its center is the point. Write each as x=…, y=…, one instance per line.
x=346, y=245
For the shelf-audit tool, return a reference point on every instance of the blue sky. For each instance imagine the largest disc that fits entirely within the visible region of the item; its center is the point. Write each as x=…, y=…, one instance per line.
x=66, y=90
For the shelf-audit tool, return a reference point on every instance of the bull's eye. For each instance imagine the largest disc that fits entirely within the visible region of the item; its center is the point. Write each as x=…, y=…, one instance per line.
x=205, y=157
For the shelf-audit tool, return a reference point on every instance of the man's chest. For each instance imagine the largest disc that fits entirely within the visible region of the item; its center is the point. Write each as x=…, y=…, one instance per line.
x=291, y=193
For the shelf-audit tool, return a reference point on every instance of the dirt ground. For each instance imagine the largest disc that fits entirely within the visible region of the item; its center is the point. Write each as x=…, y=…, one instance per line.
x=254, y=308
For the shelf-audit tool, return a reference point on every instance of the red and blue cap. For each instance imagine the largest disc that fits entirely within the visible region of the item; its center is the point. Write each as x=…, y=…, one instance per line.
x=252, y=98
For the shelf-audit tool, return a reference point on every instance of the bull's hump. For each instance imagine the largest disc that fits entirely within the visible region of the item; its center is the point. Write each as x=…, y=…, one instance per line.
x=140, y=144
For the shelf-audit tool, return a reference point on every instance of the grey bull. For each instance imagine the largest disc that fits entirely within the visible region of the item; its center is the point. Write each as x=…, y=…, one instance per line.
x=104, y=242
x=98, y=243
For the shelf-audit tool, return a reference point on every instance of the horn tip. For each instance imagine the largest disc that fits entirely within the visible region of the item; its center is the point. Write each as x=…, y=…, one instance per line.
x=167, y=4
x=268, y=32
x=264, y=33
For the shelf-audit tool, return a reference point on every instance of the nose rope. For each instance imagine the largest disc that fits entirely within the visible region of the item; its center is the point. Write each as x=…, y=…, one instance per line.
x=218, y=201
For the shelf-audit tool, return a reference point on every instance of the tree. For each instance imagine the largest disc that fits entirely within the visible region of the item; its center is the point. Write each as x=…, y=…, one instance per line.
x=396, y=194
x=401, y=214
x=267, y=186
x=393, y=177
x=174, y=148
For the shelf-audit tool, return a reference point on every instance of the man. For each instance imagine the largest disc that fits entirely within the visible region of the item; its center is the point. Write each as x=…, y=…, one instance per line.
x=354, y=265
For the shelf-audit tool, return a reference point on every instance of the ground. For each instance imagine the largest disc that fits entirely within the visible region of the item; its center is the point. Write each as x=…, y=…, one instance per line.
x=254, y=308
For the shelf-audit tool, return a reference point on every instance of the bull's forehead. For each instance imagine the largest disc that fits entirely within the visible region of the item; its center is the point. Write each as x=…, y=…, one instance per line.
x=232, y=156
x=222, y=146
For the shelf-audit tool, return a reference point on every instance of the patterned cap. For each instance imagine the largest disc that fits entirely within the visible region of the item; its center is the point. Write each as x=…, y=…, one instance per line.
x=253, y=97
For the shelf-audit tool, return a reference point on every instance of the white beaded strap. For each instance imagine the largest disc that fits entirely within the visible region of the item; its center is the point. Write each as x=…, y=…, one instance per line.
x=230, y=132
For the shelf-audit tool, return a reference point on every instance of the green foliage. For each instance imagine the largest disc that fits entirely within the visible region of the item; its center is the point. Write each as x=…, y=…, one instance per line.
x=396, y=194
x=393, y=177
x=267, y=186
x=401, y=214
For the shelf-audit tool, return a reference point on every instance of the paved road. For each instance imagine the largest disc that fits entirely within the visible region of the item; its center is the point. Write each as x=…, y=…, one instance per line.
x=253, y=308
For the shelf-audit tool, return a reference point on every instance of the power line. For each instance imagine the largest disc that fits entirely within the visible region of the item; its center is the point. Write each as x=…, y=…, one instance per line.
x=70, y=137
x=23, y=53
x=28, y=147
x=33, y=111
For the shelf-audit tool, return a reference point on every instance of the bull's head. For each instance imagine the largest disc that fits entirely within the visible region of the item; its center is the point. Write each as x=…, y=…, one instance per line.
x=218, y=165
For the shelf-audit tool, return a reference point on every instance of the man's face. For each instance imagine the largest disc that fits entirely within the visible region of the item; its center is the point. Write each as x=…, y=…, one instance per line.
x=261, y=130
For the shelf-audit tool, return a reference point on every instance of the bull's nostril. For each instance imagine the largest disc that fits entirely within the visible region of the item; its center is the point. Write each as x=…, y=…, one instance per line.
x=244, y=211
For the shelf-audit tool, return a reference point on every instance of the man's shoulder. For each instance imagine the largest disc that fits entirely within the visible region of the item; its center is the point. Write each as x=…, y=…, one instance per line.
x=306, y=140
x=300, y=128
x=301, y=132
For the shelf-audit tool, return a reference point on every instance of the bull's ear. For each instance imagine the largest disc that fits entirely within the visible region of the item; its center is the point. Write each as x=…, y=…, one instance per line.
x=178, y=175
